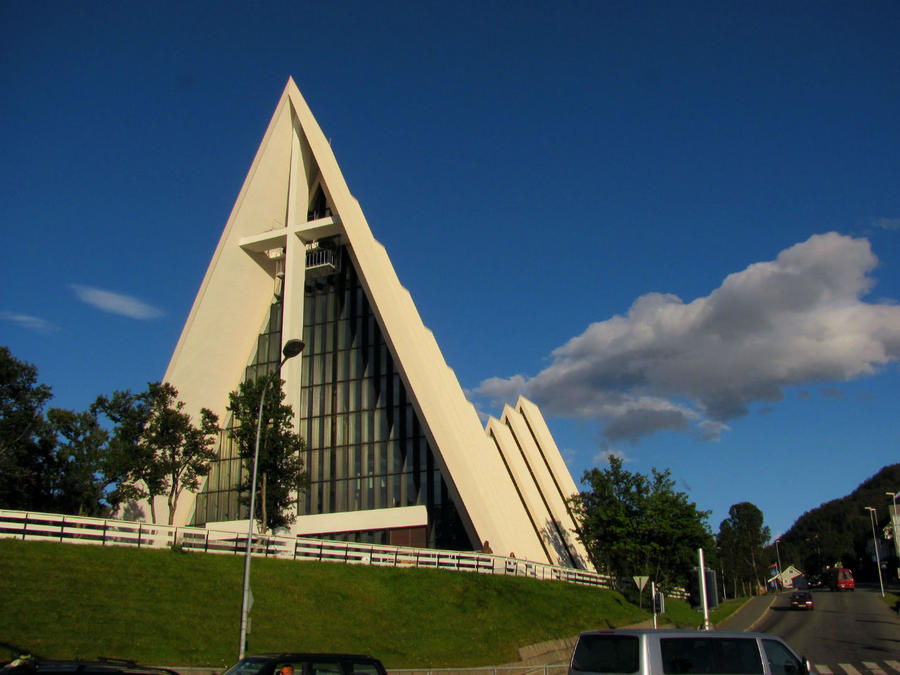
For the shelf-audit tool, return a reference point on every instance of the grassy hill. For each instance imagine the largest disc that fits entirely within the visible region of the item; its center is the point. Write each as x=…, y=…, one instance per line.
x=167, y=607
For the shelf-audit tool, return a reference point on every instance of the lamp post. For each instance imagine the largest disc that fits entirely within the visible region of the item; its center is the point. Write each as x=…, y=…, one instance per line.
x=875, y=544
x=778, y=555
x=291, y=349
x=894, y=526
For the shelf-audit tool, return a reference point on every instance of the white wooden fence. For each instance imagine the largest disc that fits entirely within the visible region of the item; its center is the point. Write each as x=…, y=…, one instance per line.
x=108, y=532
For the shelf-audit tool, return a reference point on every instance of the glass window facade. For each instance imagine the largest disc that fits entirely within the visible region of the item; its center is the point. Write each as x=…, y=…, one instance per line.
x=219, y=498
x=366, y=448
x=365, y=445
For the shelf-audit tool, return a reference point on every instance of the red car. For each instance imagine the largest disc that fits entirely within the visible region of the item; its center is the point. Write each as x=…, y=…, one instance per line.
x=842, y=580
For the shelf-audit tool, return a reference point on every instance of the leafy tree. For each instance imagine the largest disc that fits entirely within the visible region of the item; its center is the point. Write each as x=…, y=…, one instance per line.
x=179, y=453
x=155, y=447
x=632, y=524
x=26, y=445
x=280, y=473
x=79, y=478
x=126, y=459
x=741, y=541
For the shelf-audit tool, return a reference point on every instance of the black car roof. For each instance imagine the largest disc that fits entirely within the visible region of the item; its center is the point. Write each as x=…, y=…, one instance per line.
x=105, y=666
x=310, y=655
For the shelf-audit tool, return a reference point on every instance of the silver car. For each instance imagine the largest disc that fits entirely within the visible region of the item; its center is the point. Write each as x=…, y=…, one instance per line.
x=678, y=652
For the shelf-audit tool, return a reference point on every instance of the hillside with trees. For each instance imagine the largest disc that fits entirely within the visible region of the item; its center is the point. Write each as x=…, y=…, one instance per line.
x=841, y=530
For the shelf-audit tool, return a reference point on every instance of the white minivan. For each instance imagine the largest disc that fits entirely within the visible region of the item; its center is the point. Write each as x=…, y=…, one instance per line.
x=678, y=652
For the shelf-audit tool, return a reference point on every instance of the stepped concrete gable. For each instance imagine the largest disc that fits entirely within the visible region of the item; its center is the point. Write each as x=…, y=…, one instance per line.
x=219, y=337
x=556, y=465
x=529, y=492
x=564, y=525
x=549, y=451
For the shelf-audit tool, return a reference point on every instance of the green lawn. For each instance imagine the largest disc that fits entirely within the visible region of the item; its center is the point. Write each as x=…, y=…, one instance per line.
x=183, y=609
x=680, y=614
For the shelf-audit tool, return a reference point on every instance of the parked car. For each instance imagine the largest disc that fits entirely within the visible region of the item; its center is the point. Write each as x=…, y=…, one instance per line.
x=291, y=663
x=667, y=652
x=26, y=663
x=801, y=600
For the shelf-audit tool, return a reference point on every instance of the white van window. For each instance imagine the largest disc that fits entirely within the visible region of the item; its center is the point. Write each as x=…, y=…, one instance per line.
x=781, y=660
x=710, y=656
x=606, y=654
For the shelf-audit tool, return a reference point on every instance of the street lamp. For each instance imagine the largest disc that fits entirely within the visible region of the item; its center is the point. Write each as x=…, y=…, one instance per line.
x=778, y=554
x=291, y=349
x=894, y=526
x=875, y=543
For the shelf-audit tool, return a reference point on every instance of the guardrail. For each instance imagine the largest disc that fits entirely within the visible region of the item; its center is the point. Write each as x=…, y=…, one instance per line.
x=31, y=526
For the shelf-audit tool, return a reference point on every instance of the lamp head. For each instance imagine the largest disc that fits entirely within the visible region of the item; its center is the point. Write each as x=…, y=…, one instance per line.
x=292, y=348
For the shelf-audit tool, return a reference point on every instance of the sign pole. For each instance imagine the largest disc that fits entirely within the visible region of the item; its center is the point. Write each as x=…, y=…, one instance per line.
x=706, y=624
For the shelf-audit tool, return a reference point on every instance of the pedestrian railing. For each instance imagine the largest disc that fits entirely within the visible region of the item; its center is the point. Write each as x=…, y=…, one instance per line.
x=32, y=526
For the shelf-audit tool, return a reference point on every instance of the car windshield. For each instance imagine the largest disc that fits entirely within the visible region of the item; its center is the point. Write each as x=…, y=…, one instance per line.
x=606, y=654
x=247, y=666
x=737, y=656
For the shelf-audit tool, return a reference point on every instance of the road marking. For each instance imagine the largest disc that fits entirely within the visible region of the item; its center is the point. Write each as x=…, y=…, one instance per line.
x=850, y=670
x=873, y=667
x=868, y=668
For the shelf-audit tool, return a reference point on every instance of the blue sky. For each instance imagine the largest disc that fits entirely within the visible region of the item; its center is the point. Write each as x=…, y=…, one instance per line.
x=674, y=226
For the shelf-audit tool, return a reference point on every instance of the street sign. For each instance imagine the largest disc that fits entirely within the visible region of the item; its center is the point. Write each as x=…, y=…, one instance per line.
x=641, y=582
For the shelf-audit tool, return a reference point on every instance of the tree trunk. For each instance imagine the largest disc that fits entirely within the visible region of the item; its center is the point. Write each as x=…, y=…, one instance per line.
x=173, y=502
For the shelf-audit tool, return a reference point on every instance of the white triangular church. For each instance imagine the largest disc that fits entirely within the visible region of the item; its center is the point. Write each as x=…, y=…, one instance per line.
x=396, y=454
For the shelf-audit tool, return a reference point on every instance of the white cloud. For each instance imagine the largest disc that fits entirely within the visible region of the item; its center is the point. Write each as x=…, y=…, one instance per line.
x=33, y=323
x=601, y=459
x=116, y=303
x=887, y=223
x=671, y=365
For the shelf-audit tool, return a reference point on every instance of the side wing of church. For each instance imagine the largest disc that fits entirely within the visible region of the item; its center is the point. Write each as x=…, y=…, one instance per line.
x=396, y=454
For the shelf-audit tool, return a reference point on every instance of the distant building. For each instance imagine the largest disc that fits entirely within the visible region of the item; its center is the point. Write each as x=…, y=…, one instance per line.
x=791, y=577
x=396, y=454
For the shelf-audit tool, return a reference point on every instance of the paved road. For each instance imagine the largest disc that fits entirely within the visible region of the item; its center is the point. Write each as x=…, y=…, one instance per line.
x=846, y=632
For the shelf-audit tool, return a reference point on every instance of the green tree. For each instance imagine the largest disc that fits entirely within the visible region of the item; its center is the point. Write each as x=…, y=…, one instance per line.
x=632, y=524
x=79, y=478
x=26, y=444
x=741, y=541
x=177, y=454
x=155, y=449
x=127, y=415
x=280, y=474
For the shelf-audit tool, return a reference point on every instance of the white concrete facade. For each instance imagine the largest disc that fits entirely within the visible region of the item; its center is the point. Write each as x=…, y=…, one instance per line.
x=508, y=482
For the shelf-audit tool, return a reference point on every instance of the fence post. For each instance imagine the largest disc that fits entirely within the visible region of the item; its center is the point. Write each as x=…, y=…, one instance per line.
x=140, y=533
x=206, y=542
x=104, y=531
x=25, y=527
x=62, y=529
